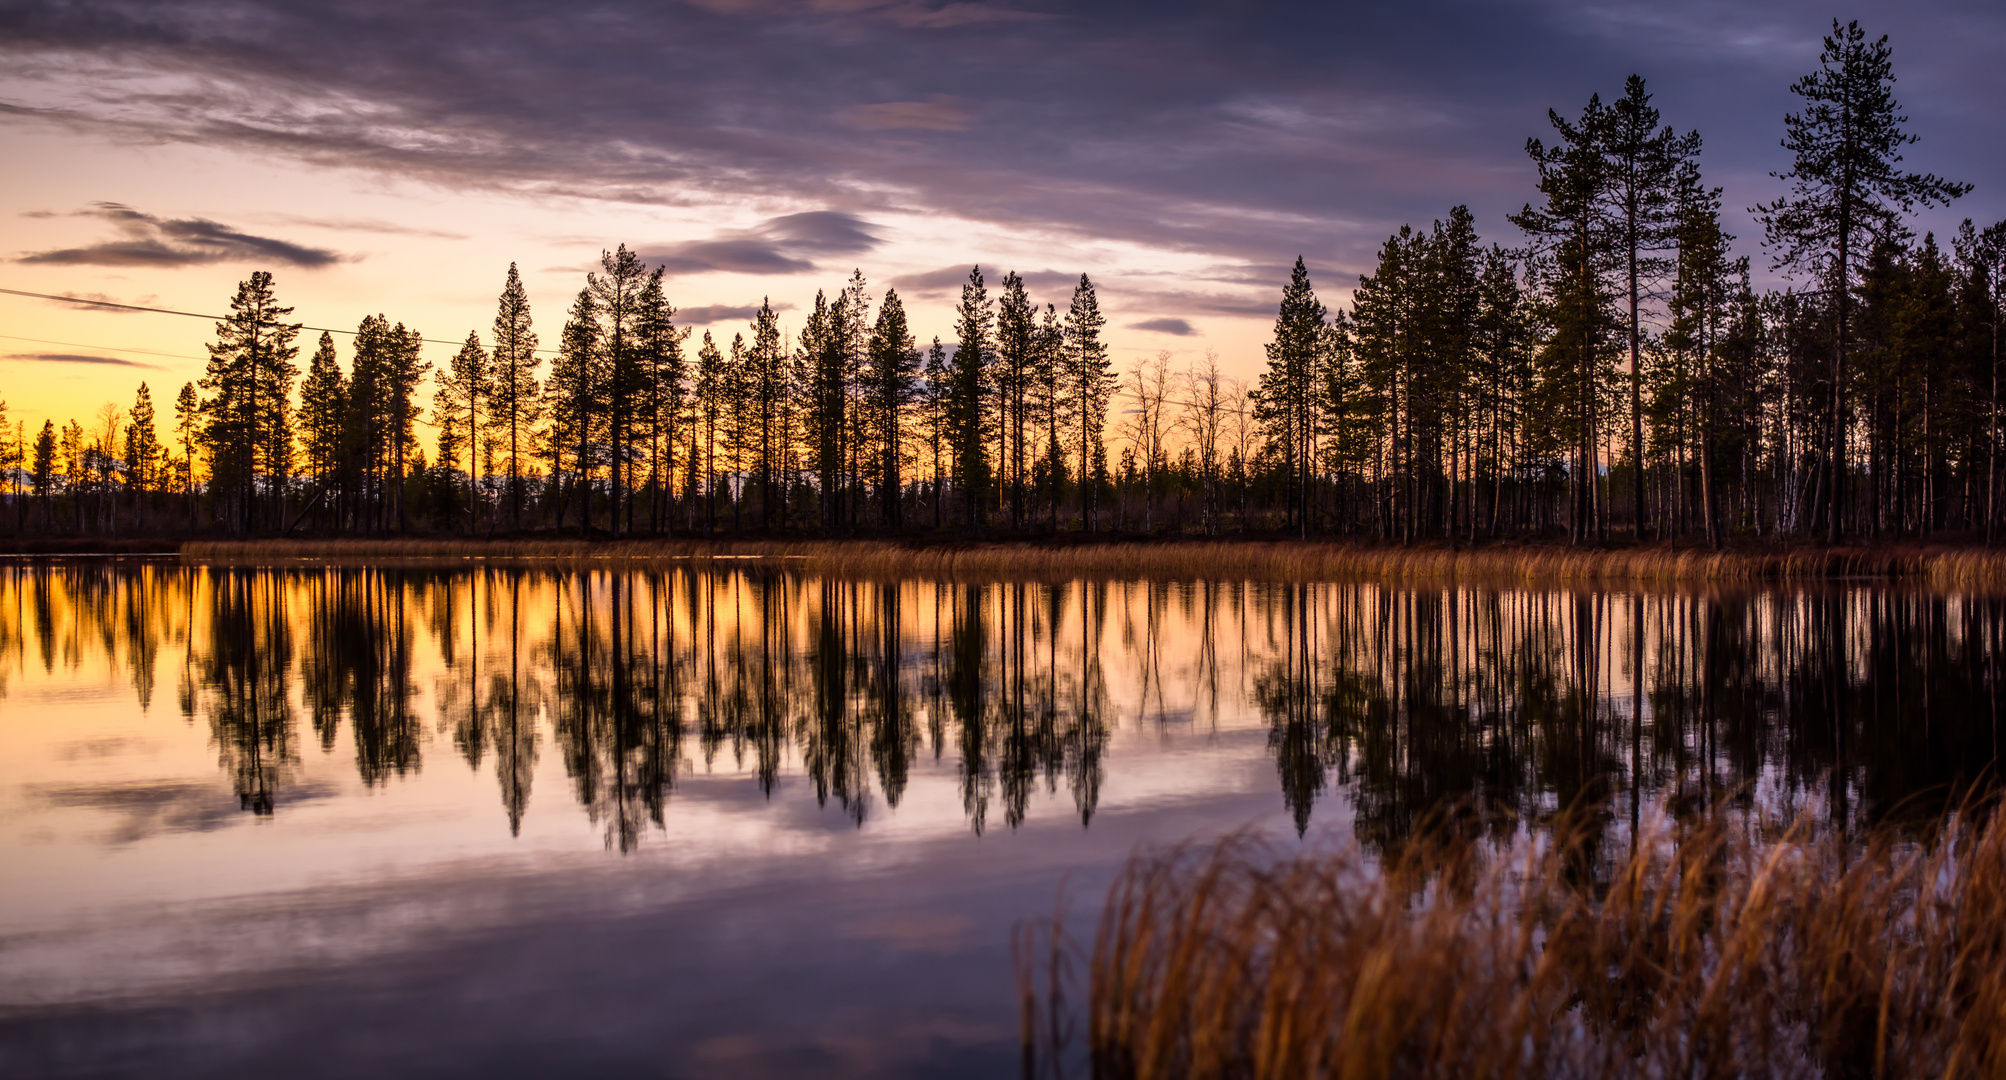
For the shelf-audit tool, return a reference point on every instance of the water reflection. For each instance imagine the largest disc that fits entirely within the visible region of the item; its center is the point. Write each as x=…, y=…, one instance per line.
x=1863, y=702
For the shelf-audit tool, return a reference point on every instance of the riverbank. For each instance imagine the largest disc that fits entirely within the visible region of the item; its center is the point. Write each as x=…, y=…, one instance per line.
x=1276, y=560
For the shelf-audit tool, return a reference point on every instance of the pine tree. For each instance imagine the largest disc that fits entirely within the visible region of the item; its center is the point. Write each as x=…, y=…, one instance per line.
x=938, y=380
x=712, y=407
x=1090, y=383
x=1016, y=361
x=456, y=407
x=516, y=406
x=249, y=381
x=1641, y=164
x=665, y=374
x=617, y=301
x=1572, y=246
x=768, y=401
x=406, y=369
x=1983, y=255
x=187, y=432
x=142, y=442
x=42, y=480
x=824, y=382
x=1845, y=184
x=894, y=364
x=969, y=389
x=1052, y=408
x=1286, y=405
x=575, y=400
x=323, y=410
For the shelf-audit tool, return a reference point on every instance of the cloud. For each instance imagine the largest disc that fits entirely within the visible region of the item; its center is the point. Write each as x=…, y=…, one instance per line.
x=938, y=114
x=361, y=225
x=713, y=314
x=775, y=246
x=78, y=358
x=1189, y=129
x=1164, y=326
x=151, y=241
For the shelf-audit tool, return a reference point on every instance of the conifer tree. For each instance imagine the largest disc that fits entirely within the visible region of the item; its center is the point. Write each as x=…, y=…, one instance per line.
x=187, y=432
x=142, y=443
x=824, y=381
x=665, y=374
x=1051, y=406
x=323, y=414
x=1846, y=185
x=1572, y=246
x=1016, y=361
x=617, y=290
x=967, y=409
x=1983, y=255
x=712, y=406
x=42, y=478
x=405, y=370
x=767, y=401
x=1641, y=165
x=575, y=394
x=894, y=364
x=456, y=406
x=515, y=407
x=249, y=382
x=1286, y=405
x=1090, y=382
x=938, y=381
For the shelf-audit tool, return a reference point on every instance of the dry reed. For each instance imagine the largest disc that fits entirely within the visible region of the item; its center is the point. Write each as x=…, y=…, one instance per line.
x=1960, y=568
x=1719, y=947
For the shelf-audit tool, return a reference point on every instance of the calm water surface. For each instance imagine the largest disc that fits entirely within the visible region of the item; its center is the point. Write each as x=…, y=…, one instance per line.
x=686, y=822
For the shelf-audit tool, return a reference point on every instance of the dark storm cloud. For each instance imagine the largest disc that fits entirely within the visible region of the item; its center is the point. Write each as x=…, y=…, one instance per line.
x=146, y=240
x=775, y=247
x=1164, y=326
x=1247, y=133
x=77, y=358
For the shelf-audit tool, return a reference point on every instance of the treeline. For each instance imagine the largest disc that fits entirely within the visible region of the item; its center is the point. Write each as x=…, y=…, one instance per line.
x=1616, y=373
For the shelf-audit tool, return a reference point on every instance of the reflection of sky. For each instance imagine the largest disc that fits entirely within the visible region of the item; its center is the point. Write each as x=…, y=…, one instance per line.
x=396, y=158
x=143, y=912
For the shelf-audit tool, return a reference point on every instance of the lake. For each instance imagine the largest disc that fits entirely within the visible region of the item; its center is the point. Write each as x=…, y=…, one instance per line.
x=685, y=819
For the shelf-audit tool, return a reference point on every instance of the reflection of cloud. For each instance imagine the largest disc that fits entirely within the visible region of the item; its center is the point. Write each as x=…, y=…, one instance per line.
x=163, y=806
x=168, y=242
x=776, y=246
x=939, y=114
x=77, y=358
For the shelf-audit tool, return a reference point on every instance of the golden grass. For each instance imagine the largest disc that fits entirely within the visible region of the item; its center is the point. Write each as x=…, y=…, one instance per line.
x=1961, y=568
x=1717, y=948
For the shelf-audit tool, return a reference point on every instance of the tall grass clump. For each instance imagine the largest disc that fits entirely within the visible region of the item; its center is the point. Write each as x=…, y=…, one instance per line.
x=1717, y=947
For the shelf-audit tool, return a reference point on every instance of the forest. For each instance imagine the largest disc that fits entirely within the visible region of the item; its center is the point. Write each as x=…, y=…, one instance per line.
x=1611, y=374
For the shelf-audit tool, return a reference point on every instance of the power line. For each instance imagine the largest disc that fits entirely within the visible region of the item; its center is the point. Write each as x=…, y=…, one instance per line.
x=188, y=314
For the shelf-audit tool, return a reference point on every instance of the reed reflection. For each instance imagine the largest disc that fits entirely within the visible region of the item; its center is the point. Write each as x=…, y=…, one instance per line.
x=1863, y=702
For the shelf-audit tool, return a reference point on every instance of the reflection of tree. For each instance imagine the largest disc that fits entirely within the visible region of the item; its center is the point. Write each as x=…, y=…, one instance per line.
x=489, y=704
x=617, y=720
x=242, y=674
x=1865, y=702
x=359, y=665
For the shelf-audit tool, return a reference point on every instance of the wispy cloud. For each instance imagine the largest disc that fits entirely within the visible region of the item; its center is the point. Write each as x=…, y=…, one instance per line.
x=779, y=245
x=149, y=241
x=713, y=314
x=78, y=358
x=1164, y=326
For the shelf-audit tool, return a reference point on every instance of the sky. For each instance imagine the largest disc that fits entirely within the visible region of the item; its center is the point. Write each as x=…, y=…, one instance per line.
x=396, y=157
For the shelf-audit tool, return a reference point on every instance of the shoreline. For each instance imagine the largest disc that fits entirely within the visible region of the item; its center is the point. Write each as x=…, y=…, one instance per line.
x=1953, y=566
